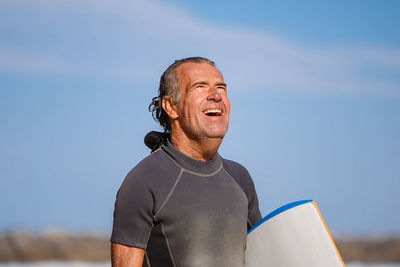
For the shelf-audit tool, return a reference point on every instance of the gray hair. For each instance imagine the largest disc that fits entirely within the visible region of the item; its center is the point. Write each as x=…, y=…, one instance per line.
x=169, y=87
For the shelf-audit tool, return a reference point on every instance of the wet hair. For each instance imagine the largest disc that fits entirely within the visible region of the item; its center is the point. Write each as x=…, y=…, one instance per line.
x=169, y=87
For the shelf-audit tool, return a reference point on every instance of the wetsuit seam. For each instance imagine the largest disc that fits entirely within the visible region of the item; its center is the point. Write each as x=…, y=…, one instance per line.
x=129, y=243
x=147, y=260
x=241, y=189
x=193, y=172
x=201, y=174
x=169, y=194
x=168, y=245
x=149, y=233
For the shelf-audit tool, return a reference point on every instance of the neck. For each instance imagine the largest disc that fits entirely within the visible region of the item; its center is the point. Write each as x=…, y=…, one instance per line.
x=202, y=149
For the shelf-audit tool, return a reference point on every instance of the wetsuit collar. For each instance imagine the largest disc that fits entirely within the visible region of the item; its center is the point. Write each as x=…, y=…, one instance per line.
x=187, y=163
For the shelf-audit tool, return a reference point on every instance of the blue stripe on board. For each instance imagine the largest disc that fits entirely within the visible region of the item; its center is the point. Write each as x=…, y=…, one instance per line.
x=277, y=211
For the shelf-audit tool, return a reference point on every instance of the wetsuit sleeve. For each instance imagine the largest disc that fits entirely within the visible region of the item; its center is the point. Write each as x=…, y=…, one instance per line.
x=133, y=212
x=243, y=178
x=254, y=210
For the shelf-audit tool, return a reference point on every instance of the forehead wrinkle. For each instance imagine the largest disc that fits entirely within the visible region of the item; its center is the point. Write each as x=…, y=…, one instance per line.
x=181, y=75
x=184, y=74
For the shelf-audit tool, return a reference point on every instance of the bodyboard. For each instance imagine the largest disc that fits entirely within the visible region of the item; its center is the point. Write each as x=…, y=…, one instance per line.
x=294, y=235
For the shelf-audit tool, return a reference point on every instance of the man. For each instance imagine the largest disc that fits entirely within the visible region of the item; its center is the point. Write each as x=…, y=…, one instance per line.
x=184, y=205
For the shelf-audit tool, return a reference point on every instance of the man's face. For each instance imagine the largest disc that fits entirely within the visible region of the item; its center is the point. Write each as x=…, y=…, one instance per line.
x=203, y=107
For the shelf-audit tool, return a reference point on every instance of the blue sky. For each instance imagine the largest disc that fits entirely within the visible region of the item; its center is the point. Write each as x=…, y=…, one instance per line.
x=314, y=88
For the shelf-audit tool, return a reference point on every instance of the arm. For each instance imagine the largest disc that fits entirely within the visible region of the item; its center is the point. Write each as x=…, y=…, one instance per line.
x=124, y=256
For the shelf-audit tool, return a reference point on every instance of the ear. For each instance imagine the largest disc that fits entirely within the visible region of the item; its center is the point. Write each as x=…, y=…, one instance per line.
x=169, y=107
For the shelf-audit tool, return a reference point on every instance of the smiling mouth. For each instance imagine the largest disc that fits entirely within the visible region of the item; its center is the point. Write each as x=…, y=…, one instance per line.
x=213, y=112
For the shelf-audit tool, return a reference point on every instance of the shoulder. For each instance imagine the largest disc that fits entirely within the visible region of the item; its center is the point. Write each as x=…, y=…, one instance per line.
x=150, y=170
x=156, y=162
x=239, y=174
x=235, y=169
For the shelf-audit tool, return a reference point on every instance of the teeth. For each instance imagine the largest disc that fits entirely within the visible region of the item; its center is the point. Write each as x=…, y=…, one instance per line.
x=212, y=111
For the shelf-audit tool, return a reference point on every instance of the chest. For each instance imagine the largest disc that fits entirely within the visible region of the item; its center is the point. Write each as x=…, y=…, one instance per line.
x=196, y=198
x=204, y=220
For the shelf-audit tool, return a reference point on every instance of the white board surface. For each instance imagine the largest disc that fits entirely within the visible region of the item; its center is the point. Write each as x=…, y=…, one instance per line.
x=294, y=235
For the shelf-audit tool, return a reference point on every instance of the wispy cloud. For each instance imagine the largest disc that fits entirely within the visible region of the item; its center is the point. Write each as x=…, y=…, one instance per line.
x=136, y=40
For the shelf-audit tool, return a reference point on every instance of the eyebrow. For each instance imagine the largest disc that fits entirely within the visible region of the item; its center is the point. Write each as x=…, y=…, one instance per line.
x=222, y=84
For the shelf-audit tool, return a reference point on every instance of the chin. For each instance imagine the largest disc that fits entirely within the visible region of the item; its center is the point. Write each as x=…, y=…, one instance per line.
x=216, y=134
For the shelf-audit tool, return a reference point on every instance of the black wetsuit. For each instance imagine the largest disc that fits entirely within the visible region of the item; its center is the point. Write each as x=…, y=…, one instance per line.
x=186, y=213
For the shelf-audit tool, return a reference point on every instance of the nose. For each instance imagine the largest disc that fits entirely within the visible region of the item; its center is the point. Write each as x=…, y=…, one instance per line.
x=213, y=95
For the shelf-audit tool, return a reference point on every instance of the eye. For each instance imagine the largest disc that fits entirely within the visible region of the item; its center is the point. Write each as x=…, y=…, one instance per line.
x=200, y=86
